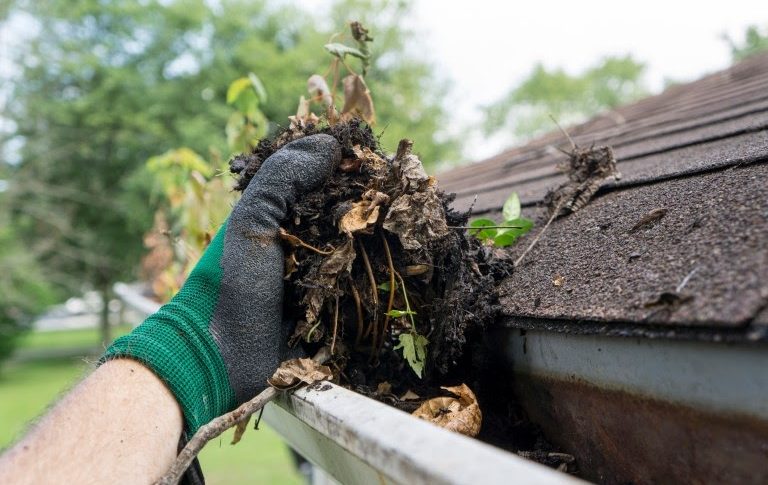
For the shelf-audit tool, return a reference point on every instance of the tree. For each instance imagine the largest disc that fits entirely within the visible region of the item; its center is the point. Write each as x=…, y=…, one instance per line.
x=105, y=85
x=568, y=98
x=755, y=41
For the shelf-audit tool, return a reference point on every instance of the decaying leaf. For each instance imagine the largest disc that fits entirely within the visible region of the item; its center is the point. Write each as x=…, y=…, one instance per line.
x=461, y=414
x=240, y=430
x=413, y=177
x=370, y=159
x=337, y=264
x=410, y=396
x=363, y=214
x=357, y=99
x=417, y=219
x=318, y=88
x=383, y=389
x=587, y=169
x=294, y=372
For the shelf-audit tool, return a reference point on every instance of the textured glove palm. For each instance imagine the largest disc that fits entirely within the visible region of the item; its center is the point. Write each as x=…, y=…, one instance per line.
x=218, y=340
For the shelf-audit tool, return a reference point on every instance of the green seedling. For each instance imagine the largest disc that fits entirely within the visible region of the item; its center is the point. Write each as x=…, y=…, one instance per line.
x=506, y=233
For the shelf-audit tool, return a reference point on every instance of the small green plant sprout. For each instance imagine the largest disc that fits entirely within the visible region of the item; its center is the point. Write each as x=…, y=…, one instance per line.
x=506, y=233
x=248, y=124
x=412, y=343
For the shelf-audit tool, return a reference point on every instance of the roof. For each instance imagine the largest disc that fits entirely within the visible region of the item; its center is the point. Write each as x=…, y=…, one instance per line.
x=699, y=151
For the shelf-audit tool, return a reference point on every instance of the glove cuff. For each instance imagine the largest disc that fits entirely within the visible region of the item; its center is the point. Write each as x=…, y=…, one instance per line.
x=176, y=344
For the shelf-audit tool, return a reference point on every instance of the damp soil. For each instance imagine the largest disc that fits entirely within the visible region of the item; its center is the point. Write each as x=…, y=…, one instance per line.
x=380, y=219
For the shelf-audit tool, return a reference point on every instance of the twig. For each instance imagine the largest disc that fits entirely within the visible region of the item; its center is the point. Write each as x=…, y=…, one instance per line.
x=335, y=320
x=209, y=431
x=219, y=425
x=374, y=291
x=359, y=309
x=296, y=241
x=377, y=347
x=538, y=236
x=573, y=144
x=407, y=305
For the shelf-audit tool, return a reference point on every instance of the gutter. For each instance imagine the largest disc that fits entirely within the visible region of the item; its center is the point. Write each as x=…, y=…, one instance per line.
x=356, y=440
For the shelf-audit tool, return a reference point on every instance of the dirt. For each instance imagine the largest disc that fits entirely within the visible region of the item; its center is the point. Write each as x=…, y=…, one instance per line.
x=377, y=220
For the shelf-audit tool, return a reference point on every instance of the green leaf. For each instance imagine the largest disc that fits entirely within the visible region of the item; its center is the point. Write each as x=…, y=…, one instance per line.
x=399, y=313
x=414, y=347
x=504, y=240
x=484, y=234
x=236, y=88
x=518, y=226
x=511, y=208
x=261, y=93
x=385, y=286
x=341, y=51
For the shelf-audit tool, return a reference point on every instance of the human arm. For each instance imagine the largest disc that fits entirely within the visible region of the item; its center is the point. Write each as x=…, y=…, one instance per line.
x=216, y=342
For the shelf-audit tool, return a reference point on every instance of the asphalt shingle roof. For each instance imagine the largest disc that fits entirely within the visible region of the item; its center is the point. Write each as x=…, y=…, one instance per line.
x=699, y=151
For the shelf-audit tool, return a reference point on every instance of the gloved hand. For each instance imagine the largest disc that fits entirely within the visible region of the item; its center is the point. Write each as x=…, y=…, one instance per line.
x=219, y=339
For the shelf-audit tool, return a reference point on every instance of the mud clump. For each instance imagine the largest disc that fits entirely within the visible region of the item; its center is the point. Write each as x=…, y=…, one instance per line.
x=378, y=268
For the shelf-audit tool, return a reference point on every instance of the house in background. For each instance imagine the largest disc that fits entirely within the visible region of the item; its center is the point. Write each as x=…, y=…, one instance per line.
x=636, y=328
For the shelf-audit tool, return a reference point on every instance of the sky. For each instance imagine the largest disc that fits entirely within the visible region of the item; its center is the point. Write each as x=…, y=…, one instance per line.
x=486, y=47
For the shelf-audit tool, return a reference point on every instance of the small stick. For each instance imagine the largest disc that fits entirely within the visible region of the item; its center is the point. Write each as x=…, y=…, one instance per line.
x=377, y=348
x=296, y=241
x=335, y=320
x=374, y=292
x=359, y=308
x=219, y=425
x=538, y=236
x=209, y=431
x=573, y=145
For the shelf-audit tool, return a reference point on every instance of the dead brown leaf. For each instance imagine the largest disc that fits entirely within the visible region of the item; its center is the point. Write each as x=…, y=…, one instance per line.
x=363, y=214
x=240, y=430
x=461, y=414
x=410, y=396
x=370, y=159
x=357, y=98
x=318, y=88
x=294, y=372
x=417, y=219
x=337, y=264
x=384, y=389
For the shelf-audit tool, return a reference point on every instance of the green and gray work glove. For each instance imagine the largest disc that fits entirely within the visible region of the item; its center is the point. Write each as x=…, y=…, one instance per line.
x=219, y=339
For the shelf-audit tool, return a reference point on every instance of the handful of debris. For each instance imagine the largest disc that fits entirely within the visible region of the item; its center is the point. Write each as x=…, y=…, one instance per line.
x=377, y=265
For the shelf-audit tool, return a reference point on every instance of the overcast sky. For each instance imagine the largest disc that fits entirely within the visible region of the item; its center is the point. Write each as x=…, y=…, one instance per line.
x=485, y=46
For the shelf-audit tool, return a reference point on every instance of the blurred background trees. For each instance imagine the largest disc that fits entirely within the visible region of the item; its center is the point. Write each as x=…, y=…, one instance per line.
x=101, y=87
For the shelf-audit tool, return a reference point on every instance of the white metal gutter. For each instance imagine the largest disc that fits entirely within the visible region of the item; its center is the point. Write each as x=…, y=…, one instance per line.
x=357, y=440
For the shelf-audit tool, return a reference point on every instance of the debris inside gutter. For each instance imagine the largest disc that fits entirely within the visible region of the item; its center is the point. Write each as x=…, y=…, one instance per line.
x=386, y=276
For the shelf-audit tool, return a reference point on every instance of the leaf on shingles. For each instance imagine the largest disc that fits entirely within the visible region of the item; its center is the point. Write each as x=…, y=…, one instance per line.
x=587, y=170
x=512, y=207
x=357, y=99
x=341, y=51
x=363, y=214
x=461, y=414
x=508, y=235
x=338, y=263
x=240, y=430
x=484, y=233
x=295, y=372
x=318, y=88
x=414, y=347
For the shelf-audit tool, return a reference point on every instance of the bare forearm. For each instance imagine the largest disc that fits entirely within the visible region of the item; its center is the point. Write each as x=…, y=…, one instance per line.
x=121, y=424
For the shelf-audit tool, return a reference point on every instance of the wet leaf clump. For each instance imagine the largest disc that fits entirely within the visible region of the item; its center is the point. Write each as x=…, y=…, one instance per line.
x=378, y=268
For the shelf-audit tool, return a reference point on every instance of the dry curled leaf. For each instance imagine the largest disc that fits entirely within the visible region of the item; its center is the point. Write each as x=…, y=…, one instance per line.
x=357, y=98
x=294, y=372
x=461, y=414
x=417, y=219
x=369, y=158
x=338, y=263
x=318, y=88
x=240, y=430
x=363, y=214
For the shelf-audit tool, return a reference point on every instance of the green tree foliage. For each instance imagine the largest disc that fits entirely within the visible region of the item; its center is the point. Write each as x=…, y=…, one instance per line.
x=755, y=41
x=569, y=98
x=105, y=85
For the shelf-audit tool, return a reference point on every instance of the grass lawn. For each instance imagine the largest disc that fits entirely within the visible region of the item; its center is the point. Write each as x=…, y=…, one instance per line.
x=28, y=387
